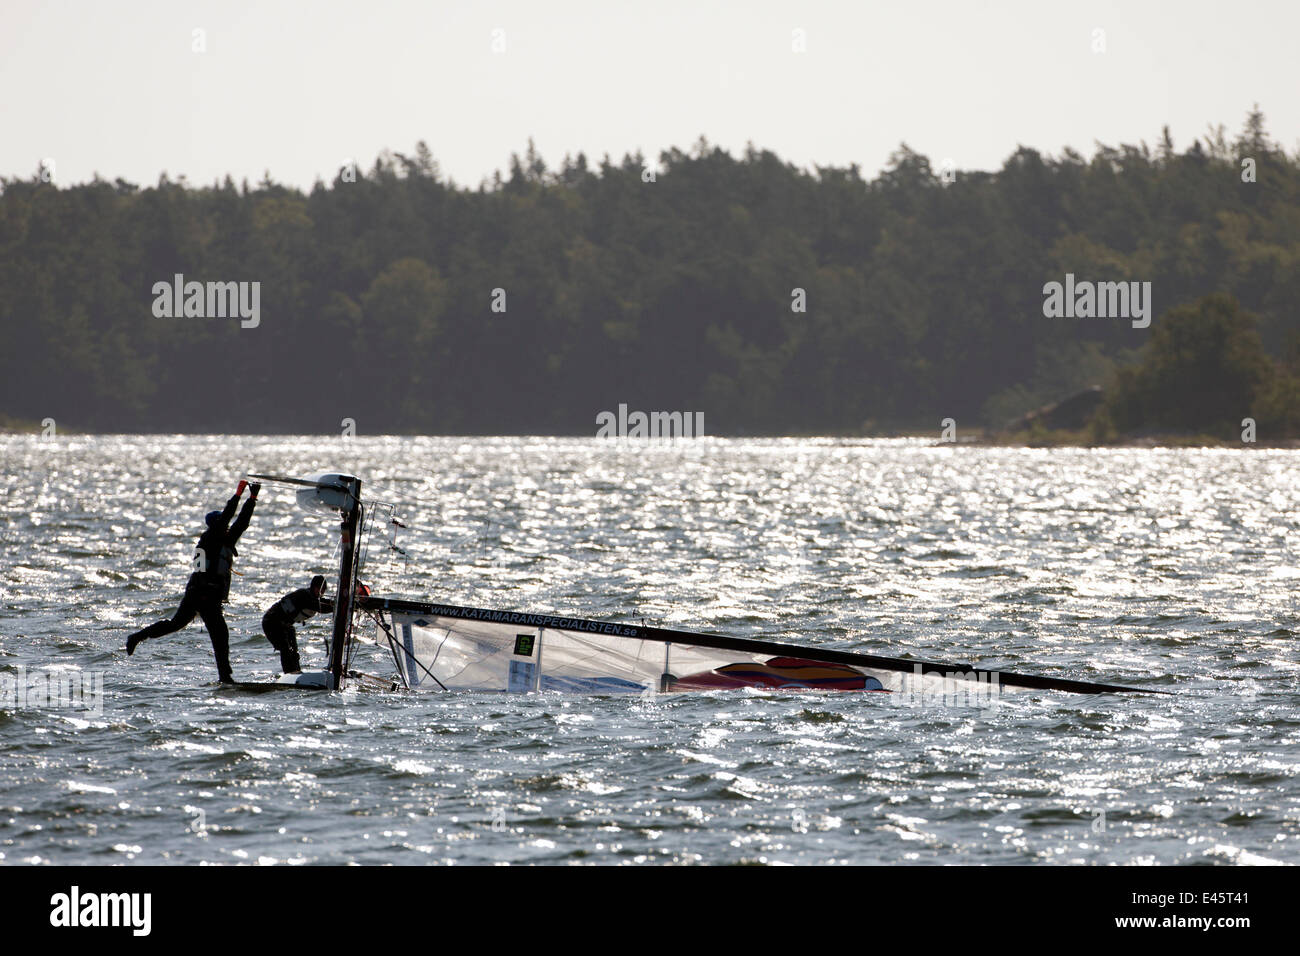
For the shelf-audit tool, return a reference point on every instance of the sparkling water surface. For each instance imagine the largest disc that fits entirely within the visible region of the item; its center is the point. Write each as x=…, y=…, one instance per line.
x=1169, y=569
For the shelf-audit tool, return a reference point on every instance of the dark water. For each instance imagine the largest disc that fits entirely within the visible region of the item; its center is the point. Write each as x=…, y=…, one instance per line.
x=1171, y=569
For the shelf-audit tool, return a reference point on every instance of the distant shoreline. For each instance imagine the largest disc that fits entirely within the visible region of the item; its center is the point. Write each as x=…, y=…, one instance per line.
x=1072, y=440
x=971, y=439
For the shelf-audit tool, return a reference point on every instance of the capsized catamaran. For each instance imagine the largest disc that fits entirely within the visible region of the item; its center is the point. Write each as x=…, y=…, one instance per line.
x=443, y=647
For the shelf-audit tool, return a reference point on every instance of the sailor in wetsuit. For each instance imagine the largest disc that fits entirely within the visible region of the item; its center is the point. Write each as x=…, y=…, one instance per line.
x=280, y=617
x=209, y=585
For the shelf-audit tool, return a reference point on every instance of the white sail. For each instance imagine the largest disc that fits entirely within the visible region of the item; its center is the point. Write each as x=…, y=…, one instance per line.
x=479, y=650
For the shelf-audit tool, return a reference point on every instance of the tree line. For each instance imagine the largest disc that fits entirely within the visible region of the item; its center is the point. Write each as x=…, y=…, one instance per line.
x=773, y=299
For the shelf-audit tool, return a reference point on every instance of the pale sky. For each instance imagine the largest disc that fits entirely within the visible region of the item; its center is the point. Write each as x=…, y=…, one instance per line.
x=299, y=88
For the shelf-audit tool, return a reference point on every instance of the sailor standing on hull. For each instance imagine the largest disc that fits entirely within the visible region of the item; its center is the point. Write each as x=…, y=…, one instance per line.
x=280, y=617
x=209, y=585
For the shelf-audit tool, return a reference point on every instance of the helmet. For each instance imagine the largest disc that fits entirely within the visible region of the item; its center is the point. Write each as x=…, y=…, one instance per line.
x=213, y=518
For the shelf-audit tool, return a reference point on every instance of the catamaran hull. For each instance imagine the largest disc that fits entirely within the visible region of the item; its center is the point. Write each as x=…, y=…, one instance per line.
x=307, y=679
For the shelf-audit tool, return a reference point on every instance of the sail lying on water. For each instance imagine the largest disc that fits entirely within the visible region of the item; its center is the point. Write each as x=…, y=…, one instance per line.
x=456, y=653
x=445, y=647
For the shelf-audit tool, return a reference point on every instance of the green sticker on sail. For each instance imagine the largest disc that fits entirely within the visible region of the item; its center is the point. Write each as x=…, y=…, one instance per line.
x=524, y=644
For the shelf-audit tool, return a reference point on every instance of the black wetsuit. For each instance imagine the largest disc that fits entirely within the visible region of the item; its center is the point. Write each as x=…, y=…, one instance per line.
x=278, y=622
x=209, y=585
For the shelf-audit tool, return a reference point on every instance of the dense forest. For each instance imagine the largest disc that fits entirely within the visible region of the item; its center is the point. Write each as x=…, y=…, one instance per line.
x=773, y=299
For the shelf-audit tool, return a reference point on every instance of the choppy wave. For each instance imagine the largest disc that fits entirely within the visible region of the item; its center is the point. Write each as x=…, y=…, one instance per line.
x=1173, y=569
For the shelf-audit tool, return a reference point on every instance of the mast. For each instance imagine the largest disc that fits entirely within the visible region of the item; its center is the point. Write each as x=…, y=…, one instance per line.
x=341, y=493
x=345, y=595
